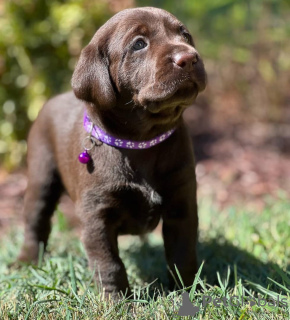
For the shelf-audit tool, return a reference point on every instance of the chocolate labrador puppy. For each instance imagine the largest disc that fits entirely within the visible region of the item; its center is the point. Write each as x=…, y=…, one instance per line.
x=118, y=145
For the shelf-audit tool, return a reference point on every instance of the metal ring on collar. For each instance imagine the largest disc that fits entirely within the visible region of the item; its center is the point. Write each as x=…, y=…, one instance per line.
x=85, y=141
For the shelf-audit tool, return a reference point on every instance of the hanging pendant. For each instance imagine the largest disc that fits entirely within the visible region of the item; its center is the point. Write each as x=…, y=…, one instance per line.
x=84, y=157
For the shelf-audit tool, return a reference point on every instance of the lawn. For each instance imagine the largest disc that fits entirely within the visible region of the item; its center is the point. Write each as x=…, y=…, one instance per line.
x=245, y=269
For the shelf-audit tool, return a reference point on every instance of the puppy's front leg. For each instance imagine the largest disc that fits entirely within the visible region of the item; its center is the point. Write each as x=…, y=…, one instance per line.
x=100, y=240
x=180, y=224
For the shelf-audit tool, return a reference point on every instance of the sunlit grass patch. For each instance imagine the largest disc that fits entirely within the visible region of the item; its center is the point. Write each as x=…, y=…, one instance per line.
x=245, y=254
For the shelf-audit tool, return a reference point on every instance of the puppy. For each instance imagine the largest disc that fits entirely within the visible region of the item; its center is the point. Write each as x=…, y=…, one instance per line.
x=118, y=145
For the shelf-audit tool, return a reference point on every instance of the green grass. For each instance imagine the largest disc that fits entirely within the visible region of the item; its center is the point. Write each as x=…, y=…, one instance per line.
x=244, y=253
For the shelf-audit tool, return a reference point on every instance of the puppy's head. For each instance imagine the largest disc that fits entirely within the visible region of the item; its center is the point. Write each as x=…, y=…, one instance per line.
x=142, y=59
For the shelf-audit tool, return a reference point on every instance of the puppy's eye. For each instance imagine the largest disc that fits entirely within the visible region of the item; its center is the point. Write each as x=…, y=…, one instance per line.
x=139, y=44
x=185, y=34
x=187, y=37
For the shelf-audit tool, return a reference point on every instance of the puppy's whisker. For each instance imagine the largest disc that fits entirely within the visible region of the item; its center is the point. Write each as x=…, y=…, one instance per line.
x=128, y=102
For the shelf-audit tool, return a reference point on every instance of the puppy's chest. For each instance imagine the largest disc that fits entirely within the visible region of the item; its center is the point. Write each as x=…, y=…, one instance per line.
x=134, y=186
x=131, y=194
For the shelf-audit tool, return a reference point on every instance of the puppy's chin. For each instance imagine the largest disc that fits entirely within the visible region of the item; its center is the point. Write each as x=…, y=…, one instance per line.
x=182, y=97
x=167, y=116
x=168, y=109
x=157, y=99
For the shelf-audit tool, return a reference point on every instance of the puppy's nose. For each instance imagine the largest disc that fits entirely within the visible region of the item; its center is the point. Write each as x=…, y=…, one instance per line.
x=185, y=60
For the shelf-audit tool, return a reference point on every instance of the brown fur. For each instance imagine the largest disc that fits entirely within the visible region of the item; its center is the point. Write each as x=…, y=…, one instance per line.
x=133, y=95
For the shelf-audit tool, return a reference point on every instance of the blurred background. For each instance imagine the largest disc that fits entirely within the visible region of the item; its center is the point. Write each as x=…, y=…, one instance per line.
x=240, y=125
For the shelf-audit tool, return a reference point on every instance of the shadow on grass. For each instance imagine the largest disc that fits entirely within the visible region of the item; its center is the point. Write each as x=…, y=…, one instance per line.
x=218, y=257
x=151, y=265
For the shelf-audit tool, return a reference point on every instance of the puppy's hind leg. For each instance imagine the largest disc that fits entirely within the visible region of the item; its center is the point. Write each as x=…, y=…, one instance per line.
x=43, y=192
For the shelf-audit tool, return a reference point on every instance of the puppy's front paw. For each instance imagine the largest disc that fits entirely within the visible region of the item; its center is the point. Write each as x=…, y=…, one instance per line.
x=28, y=254
x=114, y=293
x=113, y=290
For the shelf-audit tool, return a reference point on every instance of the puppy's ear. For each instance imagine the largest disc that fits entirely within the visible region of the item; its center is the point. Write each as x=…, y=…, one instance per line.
x=91, y=80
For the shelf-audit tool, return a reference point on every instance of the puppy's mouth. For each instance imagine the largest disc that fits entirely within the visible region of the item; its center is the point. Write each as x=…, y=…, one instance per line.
x=167, y=100
x=167, y=115
x=170, y=108
x=183, y=96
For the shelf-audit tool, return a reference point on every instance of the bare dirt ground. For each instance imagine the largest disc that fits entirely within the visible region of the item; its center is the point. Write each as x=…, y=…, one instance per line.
x=239, y=162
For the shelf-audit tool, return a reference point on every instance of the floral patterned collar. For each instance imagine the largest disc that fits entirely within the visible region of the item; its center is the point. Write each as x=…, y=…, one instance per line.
x=106, y=138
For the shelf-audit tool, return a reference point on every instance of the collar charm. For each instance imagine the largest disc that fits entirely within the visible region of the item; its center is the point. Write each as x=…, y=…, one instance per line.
x=84, y=157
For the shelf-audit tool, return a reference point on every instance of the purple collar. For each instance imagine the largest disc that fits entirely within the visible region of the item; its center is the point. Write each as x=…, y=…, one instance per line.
x=106, y=138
